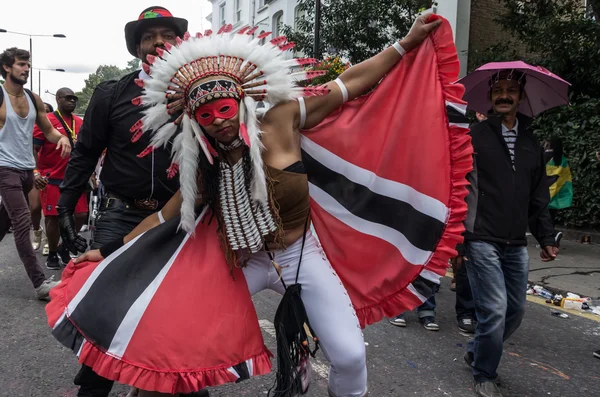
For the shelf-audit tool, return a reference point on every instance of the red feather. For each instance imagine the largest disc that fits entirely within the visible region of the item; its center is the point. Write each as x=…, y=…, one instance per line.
x=149, y=149
x=244, y=134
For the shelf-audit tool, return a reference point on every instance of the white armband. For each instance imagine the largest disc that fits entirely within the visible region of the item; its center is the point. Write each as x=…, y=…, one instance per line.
x=161, y=219
x=343, y=88
x=399, y=48
x=302, y=112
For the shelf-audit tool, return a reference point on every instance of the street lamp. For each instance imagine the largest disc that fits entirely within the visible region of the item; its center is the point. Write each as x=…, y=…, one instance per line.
x=40, y=77
x=57, y=35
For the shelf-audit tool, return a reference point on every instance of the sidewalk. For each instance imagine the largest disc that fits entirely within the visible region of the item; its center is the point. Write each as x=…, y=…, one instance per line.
x=576, y=269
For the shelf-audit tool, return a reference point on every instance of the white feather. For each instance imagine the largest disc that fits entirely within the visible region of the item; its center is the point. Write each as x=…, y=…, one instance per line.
x=188, y=171
x=199, y=136
x=259, y=181
x=162, y=136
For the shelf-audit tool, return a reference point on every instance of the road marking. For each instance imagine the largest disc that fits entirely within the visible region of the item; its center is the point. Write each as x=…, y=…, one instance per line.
x=542, y=302
x=318, y=366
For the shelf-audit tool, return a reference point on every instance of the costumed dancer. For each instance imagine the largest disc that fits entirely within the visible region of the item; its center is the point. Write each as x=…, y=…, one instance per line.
x=245, y=192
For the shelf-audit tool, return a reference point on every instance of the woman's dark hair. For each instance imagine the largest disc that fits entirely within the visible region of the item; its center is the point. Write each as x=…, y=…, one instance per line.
x=557, y=150
x=9, y=56
x=49, y=107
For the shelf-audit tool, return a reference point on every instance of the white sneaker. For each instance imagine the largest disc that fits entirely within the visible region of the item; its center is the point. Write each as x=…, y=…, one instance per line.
x=46, y=249
x=36, y=238
x=43, y=291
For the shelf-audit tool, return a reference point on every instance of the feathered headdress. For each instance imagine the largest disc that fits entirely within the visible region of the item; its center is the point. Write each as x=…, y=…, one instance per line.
x=212, y=66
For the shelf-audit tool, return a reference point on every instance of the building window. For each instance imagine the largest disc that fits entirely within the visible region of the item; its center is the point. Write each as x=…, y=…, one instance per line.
x=299, y=14
x=222, y=14
x=277, y=22
x=238, y=10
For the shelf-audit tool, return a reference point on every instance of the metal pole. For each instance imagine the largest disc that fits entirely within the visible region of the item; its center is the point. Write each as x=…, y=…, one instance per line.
x=31, y=61
x=317, y=28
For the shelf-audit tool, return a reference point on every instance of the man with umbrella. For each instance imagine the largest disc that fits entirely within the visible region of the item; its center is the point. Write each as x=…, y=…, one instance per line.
x=508, y=191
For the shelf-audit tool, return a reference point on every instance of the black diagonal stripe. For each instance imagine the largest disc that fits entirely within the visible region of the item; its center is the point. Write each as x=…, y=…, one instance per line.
x=101, y=311
x=68, y=335
x=455, y=116
x=424, y=287
x=421, y=230
x=242, y=370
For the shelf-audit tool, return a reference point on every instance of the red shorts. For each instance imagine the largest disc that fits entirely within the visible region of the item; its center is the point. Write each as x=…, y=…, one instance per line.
x=49, y=198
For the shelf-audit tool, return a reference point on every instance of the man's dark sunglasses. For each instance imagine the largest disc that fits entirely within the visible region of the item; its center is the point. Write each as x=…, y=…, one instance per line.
x=69, y=98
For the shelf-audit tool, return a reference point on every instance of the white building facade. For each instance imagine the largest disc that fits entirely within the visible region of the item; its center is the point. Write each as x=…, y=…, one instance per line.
x=268, y=15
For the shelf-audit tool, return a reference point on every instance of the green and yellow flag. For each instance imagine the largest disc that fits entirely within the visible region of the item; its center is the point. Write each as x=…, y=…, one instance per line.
x=561, y=189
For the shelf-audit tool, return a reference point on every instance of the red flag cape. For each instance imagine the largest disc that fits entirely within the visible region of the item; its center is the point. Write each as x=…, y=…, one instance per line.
x=387, y=181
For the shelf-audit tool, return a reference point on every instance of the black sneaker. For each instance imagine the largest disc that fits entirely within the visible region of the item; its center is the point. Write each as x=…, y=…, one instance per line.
x=467, y=325
x=53, y=261
x=429, y=323
x=486, y=389
x=63, y=252
x=398, y=321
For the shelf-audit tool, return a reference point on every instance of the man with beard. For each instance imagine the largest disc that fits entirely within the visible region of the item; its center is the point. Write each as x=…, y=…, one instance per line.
x=20, y=109
x=509, y=177
x=135, y=187
x=51, y=171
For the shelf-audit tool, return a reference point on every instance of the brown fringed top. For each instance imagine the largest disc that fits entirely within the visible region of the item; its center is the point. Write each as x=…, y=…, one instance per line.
x=290, y=194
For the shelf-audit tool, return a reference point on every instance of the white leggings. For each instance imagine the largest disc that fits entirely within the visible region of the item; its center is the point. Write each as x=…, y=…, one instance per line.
x=328, y=307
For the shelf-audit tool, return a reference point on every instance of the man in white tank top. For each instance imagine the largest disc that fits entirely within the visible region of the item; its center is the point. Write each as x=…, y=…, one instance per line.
x=19, y=111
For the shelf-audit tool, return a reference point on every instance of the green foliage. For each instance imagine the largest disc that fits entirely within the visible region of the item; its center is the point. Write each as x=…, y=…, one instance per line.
x=103, y=73
x=561, y=36
x=353, y=29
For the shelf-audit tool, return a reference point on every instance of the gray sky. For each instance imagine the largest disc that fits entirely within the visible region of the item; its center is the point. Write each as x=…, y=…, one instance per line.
x=94, y=31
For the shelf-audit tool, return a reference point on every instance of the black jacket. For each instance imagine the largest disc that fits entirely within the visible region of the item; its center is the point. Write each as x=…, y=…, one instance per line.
x=502, y=201
x=107, y=124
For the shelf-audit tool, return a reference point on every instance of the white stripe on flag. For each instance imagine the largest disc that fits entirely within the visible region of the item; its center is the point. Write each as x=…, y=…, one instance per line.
x=129, y=324
x=431, y=276
x=460, y=107
x=412, y=254
x=97, y=271
x=416, y=293
x=460, y=125
x=60, y=319
x=234, y=372
x=385, y=187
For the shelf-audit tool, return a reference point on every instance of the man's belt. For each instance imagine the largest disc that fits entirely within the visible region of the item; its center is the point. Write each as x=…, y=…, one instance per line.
x=147, y=204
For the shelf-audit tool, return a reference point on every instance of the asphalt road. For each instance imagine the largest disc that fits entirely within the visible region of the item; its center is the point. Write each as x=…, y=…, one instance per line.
x=548, y=356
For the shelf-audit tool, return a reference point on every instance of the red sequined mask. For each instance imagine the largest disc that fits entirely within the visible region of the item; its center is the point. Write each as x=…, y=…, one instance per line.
x=225, y=108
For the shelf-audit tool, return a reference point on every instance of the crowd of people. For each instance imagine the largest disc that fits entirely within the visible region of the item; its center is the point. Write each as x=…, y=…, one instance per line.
x=191, y=159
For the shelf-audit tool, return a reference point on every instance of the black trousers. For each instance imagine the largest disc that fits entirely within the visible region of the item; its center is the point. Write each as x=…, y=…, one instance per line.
x=465, y=307
x=112, y=223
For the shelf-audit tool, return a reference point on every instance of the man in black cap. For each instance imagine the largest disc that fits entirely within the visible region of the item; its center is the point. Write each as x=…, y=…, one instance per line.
x=135, y=186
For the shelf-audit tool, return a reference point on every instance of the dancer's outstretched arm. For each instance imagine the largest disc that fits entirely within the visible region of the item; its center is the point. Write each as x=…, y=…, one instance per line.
x=361, y=77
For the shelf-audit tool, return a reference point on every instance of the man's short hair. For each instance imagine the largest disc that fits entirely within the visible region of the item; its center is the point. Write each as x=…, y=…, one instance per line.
x=9, y=56
x=509, y=74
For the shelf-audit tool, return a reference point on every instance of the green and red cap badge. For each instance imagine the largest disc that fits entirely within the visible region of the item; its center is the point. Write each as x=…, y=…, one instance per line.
x=152, y=16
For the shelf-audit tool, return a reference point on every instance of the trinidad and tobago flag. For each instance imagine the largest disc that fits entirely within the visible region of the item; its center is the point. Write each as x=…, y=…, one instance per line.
x=387, y=183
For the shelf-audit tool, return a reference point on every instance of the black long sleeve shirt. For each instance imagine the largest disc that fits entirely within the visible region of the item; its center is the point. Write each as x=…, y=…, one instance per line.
x=106, y=125
x=514, y=197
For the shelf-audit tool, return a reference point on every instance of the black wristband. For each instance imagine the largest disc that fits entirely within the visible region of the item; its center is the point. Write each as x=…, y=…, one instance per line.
x=111, y=247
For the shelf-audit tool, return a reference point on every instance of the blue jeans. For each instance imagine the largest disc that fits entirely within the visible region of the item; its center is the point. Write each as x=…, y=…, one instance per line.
x=498, y=277
x=427, y=309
